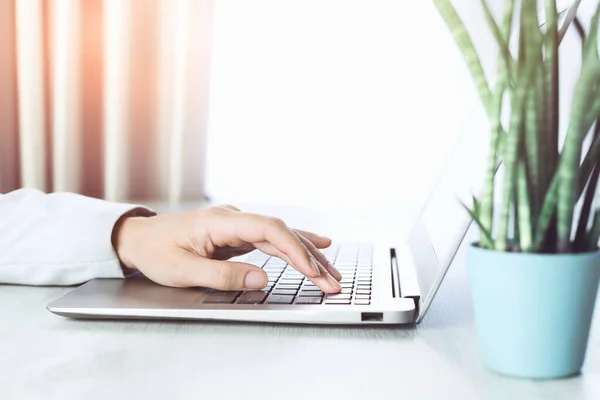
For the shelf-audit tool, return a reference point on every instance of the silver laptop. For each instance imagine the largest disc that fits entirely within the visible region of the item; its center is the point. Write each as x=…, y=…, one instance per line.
x=382, y=283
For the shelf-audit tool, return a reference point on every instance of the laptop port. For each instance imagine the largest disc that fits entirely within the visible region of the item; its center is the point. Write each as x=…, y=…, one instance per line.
x=371, y=316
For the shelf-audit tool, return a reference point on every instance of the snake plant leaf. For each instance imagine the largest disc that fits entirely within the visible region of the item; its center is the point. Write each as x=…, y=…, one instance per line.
x=510, y=159
x=532, y=52
x=590, y=45
x=533, y=143
x=476, y=206
x=580, y=30
x=546, y=213
x=548, y=209
x=584, y=215
x=590, y=51
x=524, y=210
x=467, y=48
x=590, y=160
x=505, y=55
x=551, y=83
x=594, y=112
x=568, y=20
x=486, y=236
x=571, y=154
x=569, y=171
x=497, y=133
x=594, y=234
x=586, y=207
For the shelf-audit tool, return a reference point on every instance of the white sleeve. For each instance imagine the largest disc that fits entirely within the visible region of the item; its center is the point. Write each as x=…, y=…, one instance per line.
x=58, y=238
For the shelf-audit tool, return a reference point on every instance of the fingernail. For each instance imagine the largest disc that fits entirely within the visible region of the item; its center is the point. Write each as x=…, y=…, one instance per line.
x=255, y=280
x=315, y=267
x=333, y=282
x=333, y=269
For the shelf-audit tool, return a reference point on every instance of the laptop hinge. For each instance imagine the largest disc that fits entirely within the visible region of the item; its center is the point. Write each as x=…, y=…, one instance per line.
x=404, y=275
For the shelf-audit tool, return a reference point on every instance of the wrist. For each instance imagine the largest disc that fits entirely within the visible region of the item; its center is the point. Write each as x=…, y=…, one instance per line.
x=126, y=240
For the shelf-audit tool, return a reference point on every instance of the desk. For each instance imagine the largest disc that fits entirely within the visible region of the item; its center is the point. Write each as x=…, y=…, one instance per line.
x=43, y=356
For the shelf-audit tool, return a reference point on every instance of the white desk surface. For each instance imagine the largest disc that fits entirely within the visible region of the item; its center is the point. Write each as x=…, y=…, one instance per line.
x=44, y=356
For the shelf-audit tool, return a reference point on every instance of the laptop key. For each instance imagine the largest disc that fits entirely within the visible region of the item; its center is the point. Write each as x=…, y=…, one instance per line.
x=253, y=297
x=309, y=300
x=362, y=302
x=339, y=296
x=291, y=281
x=311, y=294
x=284, y=291
x=273, y=270
x=287, y=286
x=337, y=301
x=280, y=299
x=363, y=291
x=363, y=296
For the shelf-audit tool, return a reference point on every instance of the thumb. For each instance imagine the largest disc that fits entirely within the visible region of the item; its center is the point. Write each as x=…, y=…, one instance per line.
x=193, y=271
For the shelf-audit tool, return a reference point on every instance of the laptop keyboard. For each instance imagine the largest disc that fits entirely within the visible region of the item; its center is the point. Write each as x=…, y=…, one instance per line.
x=288, y=286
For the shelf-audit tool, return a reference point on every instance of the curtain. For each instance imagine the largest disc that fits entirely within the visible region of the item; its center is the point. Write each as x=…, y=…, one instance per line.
x=107, y=98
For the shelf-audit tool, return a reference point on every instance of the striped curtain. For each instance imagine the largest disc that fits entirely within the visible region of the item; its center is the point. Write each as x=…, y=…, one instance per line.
x=107, y=98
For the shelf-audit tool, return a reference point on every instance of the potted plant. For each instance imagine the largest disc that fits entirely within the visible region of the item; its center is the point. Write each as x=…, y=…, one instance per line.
x=535, y=268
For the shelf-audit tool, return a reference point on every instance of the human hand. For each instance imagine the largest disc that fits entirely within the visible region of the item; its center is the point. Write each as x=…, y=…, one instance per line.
x=191, y=249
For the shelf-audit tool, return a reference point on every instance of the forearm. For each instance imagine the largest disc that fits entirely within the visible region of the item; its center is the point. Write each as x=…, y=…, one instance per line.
x=59, y=238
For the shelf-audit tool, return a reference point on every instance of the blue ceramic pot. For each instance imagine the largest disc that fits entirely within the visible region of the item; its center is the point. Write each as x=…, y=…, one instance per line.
x=533, y=312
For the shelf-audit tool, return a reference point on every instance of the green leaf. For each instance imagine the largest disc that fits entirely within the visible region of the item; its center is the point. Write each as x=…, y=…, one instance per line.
x=486, y=237
x=568, y=20
x=594, y=234
x=594, y=112
x=546, y=213
x=533, y=145
x=510, y=160
x=524, y=211
x=590, y=159
x=590, y=46
x=584, y=215
x=467, y=48
x=476, y=206
x=497, y=133
x=505, y=55
x=551, y=81
x=590, y=193
x=571, y=154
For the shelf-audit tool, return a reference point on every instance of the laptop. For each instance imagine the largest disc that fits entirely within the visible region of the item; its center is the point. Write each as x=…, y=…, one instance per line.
x=383, y=283
x=380, y=285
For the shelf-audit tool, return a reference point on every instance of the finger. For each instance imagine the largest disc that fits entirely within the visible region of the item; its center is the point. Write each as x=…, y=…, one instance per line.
x=254, y=228
x=227, y=252
x=190, y=270
x=325, y=281
x=319, y=241
x=320, y=257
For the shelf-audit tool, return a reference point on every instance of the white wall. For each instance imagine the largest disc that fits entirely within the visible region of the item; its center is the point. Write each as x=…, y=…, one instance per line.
x=339, y=101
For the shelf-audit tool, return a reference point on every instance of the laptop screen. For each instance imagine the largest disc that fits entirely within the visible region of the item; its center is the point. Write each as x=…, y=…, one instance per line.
x=443, y=222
